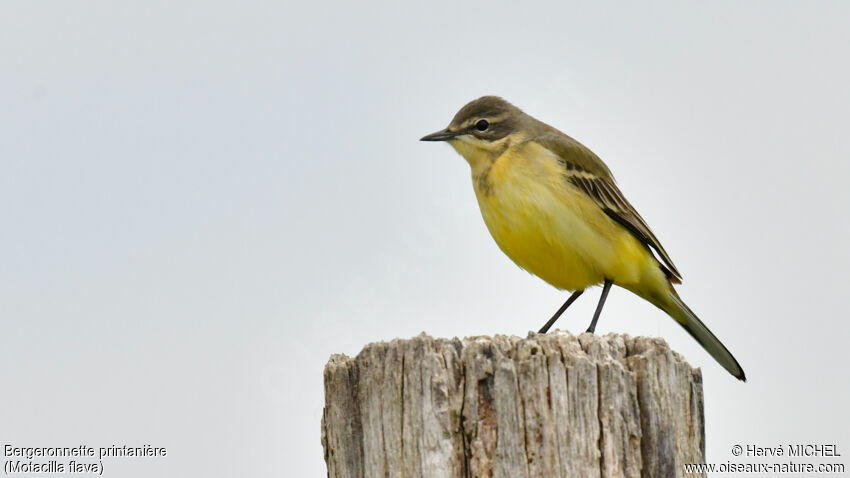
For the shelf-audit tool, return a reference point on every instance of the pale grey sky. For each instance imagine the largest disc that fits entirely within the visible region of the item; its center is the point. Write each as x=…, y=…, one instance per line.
x=201, y=201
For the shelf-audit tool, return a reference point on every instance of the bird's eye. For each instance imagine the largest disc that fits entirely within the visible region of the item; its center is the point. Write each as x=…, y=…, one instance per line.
x=482, y=125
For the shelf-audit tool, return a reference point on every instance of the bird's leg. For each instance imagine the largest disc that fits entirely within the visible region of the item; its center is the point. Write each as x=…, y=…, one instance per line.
x=560, y=311
x=605, y=289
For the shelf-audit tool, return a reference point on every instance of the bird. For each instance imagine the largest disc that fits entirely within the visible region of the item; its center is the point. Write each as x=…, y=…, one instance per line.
x=554, y=208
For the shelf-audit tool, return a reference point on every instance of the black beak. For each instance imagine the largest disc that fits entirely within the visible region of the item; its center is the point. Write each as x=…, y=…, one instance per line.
x=443, y=135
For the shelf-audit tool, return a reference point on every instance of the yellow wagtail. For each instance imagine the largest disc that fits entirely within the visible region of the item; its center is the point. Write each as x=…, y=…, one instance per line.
x=553, y=207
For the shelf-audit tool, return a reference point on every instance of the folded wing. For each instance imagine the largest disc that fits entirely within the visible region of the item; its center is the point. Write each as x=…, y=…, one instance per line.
x=590, y=175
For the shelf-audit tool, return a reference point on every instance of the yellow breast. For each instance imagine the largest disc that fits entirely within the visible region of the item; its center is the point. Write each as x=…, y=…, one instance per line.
x=548, y=227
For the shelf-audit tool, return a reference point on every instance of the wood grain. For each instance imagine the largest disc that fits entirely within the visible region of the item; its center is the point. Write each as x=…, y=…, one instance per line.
x=552, y=405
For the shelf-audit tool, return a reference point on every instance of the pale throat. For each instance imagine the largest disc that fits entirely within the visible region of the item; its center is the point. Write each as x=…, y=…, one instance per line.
x=480, y=154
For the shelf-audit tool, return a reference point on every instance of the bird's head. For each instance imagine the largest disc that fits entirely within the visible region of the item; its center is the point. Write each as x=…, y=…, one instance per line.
x=483, y=128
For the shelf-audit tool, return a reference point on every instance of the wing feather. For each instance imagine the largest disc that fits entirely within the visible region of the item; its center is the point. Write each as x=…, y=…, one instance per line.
x=615, y=205
x=589, y=174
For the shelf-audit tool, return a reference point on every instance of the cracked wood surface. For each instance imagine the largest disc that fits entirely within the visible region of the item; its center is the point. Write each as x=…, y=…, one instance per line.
x=552, y=405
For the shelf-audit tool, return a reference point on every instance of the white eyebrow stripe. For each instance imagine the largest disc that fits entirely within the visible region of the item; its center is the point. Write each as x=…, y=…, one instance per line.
x=475, y=119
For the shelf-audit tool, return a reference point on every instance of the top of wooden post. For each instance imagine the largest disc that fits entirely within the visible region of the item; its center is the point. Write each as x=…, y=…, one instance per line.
x=546, y=405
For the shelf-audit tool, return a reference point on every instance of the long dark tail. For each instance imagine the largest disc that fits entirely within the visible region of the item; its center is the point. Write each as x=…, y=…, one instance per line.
x=687, y=319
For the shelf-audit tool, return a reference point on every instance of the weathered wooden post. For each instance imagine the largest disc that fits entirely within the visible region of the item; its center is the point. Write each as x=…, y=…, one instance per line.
x=552, y=405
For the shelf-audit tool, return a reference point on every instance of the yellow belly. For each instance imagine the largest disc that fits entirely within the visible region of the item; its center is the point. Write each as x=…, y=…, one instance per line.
x=553, y=230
